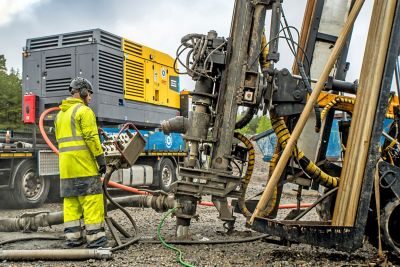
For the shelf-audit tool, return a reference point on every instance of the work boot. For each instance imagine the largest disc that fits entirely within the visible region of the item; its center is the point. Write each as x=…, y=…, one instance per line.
x=98, y=243
x=74, y=243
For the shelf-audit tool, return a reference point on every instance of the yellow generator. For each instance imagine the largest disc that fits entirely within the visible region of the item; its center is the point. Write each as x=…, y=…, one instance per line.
x=150, y=75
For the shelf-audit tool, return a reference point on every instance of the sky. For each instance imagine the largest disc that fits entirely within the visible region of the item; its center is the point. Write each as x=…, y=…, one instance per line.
x=159, y=24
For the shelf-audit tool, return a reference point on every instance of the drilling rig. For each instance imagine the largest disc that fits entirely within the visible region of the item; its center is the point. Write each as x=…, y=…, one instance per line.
x=239, y=71
x=360, y=194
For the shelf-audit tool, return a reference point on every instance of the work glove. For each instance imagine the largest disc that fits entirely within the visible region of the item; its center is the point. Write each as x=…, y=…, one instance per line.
x=101, y=161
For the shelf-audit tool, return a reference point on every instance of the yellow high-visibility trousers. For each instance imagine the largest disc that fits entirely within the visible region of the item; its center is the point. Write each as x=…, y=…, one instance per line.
x=91, y=209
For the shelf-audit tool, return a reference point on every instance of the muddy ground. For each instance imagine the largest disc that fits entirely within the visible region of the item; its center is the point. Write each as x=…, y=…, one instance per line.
x=208, y=227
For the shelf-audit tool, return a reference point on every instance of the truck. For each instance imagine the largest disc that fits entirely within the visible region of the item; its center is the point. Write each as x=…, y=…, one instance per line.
x=132, y=83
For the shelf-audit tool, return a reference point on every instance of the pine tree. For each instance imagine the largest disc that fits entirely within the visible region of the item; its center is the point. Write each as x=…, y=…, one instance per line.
x=10, y=97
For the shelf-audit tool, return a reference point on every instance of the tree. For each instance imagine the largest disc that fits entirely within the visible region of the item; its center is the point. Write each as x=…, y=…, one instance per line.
x=10, y=97
x=263, y=124
x=258, y=124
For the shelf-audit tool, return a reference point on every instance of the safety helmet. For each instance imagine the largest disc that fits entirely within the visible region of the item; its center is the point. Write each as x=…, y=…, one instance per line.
x=81, y=84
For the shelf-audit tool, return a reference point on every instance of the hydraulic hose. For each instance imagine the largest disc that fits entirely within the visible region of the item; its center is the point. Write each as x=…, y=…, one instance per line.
x=249, y=172
x=309, y=167
x=132, y=221
x=343, y=99
x=243, y=121
x=272, y=203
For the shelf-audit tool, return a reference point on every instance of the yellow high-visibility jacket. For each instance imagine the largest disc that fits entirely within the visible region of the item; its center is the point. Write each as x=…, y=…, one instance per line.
x=79, y=145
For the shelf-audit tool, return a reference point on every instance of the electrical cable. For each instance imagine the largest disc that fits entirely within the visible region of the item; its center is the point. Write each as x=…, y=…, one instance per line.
x=178, y=251
x=282, y=37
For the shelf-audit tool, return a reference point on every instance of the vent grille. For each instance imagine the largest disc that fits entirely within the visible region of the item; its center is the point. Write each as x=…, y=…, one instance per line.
x=58, y=61
x=132, y=48
x=45, y=42
x=77, y=38
x=134, y=79
x=110, y=40
x=55, y=85
x=111, y=77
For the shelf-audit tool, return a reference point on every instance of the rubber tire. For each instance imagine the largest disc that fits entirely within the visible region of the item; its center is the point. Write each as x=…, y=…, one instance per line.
x=166, y=163
x=16, y=197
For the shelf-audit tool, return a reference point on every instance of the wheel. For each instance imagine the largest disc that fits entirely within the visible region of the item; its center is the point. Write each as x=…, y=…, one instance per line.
x=30, y=190
x=390, y=223
x=166, y=174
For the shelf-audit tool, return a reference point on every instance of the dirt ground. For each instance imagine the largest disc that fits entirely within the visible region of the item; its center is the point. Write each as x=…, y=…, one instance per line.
x=208, y=227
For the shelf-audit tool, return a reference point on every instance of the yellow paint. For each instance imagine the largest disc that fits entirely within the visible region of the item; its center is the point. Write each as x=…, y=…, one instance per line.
x=15, y=155
x=147, y=74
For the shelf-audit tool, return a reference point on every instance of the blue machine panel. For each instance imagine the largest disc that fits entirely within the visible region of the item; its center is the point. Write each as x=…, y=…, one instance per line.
x=157, y=141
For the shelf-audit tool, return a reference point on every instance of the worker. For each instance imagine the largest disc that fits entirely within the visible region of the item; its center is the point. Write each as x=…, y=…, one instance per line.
x=81, y=162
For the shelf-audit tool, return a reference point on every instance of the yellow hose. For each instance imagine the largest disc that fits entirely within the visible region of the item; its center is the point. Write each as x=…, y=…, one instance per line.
x=334, y=102
x=341, y=99
x=272, y=203
x=309, y=167
x=249, y=172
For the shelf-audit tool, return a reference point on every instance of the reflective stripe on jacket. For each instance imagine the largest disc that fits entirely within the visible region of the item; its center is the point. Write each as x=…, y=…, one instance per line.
x=78, y=144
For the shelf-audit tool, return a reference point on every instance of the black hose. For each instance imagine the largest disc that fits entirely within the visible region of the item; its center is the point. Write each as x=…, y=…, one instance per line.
x=246, y=118
x=30, y=238
x=208, y=242
x=137, y=234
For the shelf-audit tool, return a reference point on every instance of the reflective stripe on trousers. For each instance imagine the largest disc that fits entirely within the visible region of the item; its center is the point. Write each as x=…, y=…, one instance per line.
x=73, y=230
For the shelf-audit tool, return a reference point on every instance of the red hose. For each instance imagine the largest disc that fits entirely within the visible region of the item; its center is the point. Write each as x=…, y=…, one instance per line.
x=43, y=132
x=128, y=188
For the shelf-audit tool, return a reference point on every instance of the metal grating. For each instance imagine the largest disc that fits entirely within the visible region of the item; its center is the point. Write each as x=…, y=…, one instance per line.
x=111, y=40
x=132, y=48
x=111, y=76
x=77, y=38
x=58, y=61
x=54, y=85
x=48, y=163
x=44, y=42
x=134, y=78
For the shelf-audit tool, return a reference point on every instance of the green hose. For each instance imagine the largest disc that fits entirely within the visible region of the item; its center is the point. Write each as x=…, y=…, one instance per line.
x=178, y=252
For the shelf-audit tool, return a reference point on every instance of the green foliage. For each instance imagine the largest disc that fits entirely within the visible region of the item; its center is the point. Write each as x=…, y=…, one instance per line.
x=263, y=124
x=258, y=124
x=10, y=97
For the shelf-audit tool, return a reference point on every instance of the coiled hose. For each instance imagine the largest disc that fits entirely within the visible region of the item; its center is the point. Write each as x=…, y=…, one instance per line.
x=342, y=99
x=309, y=167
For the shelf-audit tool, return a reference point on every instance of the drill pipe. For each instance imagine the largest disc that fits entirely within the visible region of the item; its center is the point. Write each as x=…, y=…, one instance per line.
x=32, y=221
x=55, y=254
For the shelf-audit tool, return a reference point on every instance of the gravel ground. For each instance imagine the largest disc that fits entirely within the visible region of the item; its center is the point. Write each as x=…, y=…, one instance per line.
x=208, y=227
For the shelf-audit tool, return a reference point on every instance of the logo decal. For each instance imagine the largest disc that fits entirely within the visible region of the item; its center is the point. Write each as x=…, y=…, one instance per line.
x=168, y=141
